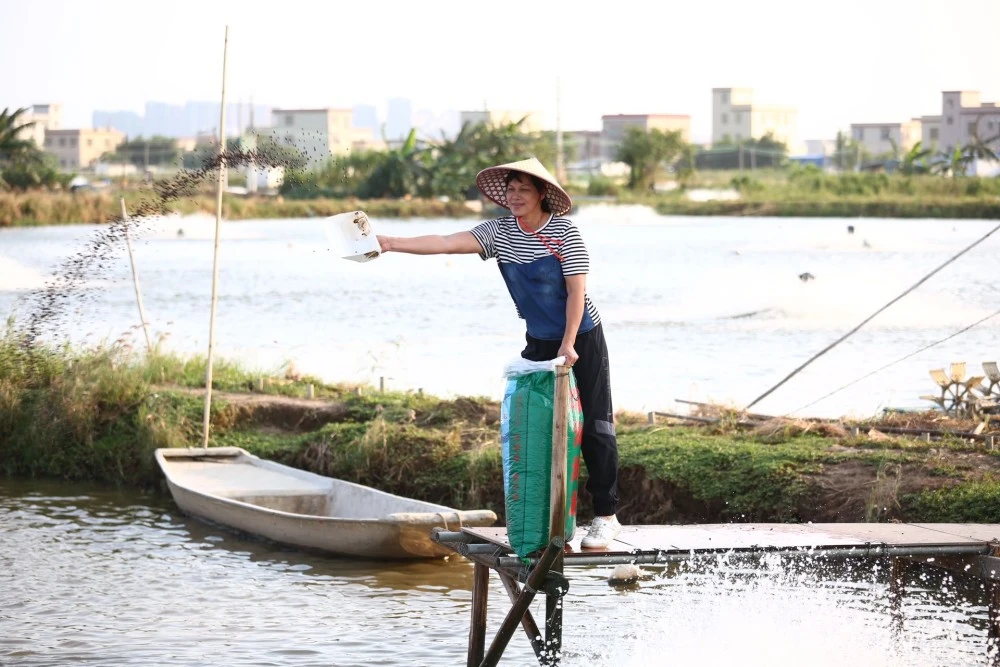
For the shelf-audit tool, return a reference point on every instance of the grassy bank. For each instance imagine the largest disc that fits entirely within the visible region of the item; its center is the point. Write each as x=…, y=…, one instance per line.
x=843, y=207
x=61, y=208
x=794, y=192
x=98, y=416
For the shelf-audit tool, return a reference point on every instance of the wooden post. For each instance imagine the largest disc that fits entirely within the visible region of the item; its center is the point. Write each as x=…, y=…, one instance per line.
x=527, y=621
x=215, y=257
x=381, y=384
x=135, y=279
x=477, y=630
x=993, y=632
x=310, y=391
x=557, y=488
x=535, y=581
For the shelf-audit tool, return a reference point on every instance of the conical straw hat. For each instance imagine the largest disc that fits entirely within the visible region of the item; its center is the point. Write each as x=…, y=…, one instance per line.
x=491, y=182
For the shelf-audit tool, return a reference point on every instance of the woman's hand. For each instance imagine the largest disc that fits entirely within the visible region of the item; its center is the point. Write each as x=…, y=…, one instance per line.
x=566, y=350
x=384, y=242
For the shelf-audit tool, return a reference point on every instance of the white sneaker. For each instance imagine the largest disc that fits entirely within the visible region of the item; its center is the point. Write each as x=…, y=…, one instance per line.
x=602, y=533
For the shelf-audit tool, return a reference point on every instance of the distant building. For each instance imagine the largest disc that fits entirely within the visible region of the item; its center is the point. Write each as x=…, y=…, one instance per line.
x=128, y=122
x=930, y=131
x=965, y=116
x=317, y=133
x=820, y=147
x=399, y=119
x=176, y=120
x=365, y=115
x=583, y=150
x=614, y=128
x=887, y=138
x=45, y=117
x=736, y=117
x=81, y=149
x=532, y=120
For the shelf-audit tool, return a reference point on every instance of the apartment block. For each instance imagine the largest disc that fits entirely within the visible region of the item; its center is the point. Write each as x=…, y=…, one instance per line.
x=532, y=119
x=737, y=117
x=887, y=138
x=965, y=116
x=318, y=134
x=83, y=148
x=45, y=117
x=614, y=127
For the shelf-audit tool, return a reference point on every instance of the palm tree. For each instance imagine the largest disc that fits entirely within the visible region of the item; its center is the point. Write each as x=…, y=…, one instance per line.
x=12, y=145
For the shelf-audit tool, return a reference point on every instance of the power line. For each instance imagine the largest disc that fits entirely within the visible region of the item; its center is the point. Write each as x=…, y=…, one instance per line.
x=871, y=317
x=912, y=354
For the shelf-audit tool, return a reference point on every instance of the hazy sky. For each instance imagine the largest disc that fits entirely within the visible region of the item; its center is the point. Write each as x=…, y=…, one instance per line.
x=838, y=62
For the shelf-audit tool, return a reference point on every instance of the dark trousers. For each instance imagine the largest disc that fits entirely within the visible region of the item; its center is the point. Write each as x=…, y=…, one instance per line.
x=593, y=379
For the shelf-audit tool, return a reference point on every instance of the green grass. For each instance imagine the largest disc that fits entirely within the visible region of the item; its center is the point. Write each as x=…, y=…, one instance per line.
x=968, y=502
x=98, y=415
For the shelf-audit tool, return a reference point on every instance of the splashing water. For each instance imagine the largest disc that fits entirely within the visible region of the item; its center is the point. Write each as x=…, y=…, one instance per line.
x=50, y=303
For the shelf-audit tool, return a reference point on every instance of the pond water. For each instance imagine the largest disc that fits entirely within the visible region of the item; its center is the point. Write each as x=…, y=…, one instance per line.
x=694, y=308
x=105, y=577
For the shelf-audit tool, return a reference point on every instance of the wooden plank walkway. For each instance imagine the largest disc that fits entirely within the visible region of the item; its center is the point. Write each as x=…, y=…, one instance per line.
x=650, y=544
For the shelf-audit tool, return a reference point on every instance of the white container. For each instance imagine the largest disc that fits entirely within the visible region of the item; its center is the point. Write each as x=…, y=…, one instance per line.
x=352, y=234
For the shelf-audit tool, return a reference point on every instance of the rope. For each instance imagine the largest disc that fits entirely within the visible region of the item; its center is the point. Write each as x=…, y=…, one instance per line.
x=870, y=318
x=912, y=354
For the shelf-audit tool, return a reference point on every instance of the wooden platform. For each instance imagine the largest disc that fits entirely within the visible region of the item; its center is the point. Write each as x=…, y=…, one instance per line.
x=667, y=543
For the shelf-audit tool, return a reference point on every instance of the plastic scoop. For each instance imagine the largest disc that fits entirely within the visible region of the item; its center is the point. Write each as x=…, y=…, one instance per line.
x=353, y=236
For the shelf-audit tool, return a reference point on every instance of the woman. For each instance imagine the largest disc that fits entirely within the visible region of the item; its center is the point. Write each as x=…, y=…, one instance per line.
x=544, y=263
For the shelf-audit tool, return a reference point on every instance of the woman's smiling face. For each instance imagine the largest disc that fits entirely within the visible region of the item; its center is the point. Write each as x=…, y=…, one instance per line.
x=523, y=198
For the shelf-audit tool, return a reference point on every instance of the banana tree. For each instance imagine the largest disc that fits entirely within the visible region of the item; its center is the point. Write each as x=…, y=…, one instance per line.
x=399, y=173
x=979, y=148
x=914, y=161
x=953, y=163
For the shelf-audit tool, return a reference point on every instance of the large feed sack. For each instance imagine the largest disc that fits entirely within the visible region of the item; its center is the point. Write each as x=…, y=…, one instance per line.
x=526, y=442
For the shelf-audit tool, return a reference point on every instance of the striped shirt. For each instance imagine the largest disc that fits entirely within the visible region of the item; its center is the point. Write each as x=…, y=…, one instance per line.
x=505, y=240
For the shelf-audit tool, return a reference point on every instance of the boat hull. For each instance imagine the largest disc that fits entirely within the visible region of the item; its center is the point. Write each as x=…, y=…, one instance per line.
x=229, y=487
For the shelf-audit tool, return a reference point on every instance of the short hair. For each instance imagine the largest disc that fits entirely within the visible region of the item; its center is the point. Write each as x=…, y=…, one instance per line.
x=539, y=184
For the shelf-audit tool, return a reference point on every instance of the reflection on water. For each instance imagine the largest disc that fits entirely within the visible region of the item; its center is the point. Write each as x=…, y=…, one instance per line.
x=118, y=578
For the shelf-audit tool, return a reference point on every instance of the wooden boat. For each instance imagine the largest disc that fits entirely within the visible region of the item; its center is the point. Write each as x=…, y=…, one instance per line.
x=230, y=487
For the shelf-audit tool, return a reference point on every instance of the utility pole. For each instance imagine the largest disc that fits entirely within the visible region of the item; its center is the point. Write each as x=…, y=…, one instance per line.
x=560, y=168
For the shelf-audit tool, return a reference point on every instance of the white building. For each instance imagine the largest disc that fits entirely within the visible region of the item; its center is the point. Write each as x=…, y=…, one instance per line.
x=930, y=132
x=45, y=117
x=318, y=134
x=820, y=147
x=736, y=117
x=614, y=127
x=887, y=138
x=964, y=116
x=496, y=117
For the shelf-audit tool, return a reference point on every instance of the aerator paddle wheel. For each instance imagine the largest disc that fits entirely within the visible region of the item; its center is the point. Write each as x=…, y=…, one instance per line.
x=957, y=397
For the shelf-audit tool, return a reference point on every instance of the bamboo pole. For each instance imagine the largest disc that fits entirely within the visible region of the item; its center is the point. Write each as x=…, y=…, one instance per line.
x=135, y=279
x=215, y=256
